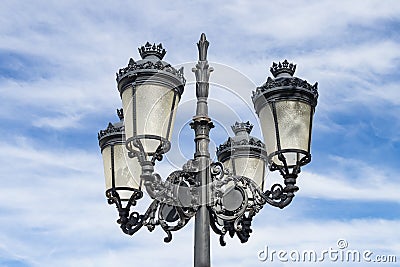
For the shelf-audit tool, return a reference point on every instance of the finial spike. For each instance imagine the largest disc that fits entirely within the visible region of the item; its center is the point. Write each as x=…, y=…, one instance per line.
x=202, y=46
x=203, y=37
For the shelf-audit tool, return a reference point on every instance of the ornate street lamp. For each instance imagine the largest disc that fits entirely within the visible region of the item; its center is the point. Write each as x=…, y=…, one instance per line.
x=150, y=90
x=226, y=194
x=122, y=176
x=285, y=106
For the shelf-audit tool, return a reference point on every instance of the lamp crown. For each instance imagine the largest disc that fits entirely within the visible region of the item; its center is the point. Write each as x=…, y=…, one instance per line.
x=111, y=130
x=242, y=126
x=152, y=50
x=284, y=67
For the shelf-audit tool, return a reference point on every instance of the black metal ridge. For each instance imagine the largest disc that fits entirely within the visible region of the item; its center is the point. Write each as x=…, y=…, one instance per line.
x=241, y=144
x=114, y=133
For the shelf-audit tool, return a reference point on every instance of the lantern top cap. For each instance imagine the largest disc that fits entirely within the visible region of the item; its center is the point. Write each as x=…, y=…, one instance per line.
x=241, y=143
x=240, y=127
x=152, y=50
x=278, y=69
x=113, y=129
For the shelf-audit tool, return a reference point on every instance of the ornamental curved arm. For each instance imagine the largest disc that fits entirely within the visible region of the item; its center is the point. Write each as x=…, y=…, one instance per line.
x=173, y=206
x=237, y=199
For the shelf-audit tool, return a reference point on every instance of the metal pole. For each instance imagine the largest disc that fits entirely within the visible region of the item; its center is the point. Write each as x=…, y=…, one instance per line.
x=201, y=125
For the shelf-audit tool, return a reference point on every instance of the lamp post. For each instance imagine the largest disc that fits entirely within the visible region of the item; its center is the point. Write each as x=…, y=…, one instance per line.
x=223, y=195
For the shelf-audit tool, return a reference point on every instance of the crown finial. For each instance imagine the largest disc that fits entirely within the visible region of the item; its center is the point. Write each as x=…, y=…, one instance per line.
x=241, y=127
x=152, y=50
x=284, y=67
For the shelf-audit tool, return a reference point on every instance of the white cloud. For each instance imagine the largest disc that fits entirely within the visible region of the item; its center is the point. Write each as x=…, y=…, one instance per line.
x=52, y=197
x=351, y=179
x=303, y=21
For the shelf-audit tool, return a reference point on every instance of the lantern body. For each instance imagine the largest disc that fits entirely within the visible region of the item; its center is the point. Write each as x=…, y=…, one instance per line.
x=150, y=90
x=150, y=111
x=122, y=175
x=243, y=154
x=285, y=107
x=250, y=167
x=287, y=123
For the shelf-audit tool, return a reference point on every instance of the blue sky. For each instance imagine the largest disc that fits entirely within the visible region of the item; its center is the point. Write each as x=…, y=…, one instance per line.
x=57, y=89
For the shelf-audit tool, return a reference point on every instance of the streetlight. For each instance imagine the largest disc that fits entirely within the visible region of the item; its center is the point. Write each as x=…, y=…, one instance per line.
x=226, y=194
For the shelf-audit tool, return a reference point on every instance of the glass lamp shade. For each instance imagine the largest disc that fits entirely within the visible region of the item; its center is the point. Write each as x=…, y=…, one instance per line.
x=121, y=173
x=285, y=107
x=243, y=154
x=150, y=114
x=150, y=90
x=244, y=165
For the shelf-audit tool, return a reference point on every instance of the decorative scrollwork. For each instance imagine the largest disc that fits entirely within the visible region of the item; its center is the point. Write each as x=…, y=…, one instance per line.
x=237, y=199
x=175, y=202
x=135, y=148
x=241, y=227
x=217, y=171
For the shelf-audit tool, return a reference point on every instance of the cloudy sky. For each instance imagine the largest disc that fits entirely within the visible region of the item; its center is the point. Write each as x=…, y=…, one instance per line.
x=57, y=89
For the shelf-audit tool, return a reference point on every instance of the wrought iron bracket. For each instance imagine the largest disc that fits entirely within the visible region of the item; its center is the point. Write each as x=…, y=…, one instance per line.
x=237, y=199
x=175, y=201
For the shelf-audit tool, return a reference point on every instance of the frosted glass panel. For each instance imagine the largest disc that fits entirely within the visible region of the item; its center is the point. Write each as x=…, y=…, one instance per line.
x=253, y=168
x=291, y=158
x=153, y=108
x=268, y=129
x=106, y=153
x=128, y=116
x=293, y=123
x=126, y=171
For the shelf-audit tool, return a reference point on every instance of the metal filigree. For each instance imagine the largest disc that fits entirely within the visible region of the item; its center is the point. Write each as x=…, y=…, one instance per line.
x=175, y=202
x=110, y=130
x=286, y=82
x=245, y=142
x=235, y=218
x=150, y=65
